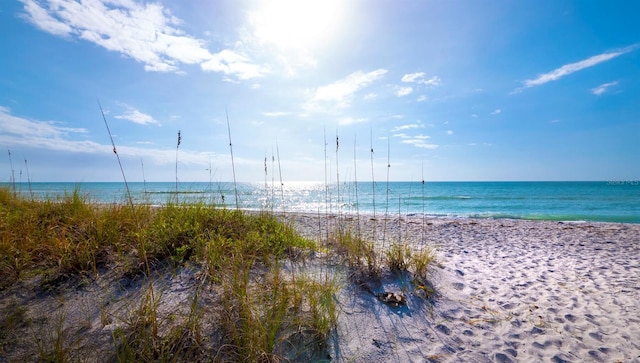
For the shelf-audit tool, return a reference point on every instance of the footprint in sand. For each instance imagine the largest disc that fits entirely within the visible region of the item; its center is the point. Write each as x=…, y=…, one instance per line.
x=502, y=358
x=443, y=329
x=458, y=286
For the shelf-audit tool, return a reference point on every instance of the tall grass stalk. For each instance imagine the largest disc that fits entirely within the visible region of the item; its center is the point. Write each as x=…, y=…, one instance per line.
x=373, y=181
x=133, y=211
x=266, y=186
x=13, y=173
x=233, y=166
x=424, y=218
x=339, y=206
x=26, y=166
x=144, y=179
x=281, y=183
x=386, y=212
x=273, y=179
x=177, y=147
x=326, y=186
x=210, y=187
x=115, y=151
x=355, y=180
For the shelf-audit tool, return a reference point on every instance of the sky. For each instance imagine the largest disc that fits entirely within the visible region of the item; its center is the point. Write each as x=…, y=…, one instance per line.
x=306, y=90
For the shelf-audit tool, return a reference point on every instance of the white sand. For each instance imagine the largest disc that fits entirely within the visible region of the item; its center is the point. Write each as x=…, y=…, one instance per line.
x=507, y=291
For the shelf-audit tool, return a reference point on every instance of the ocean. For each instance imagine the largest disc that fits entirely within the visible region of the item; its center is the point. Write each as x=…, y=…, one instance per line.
x=606, y=201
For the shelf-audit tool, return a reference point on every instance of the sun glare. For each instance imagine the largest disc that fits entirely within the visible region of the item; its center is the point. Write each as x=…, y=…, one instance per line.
x=297, y=24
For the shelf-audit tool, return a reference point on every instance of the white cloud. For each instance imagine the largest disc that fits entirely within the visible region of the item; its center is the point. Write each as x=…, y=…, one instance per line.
x=23, y=127
x=49, y=135
x=403, y=91
x=405, y=127
x=137, y=117
x=412, y=77
x=570, y=68
x=276, y=114
x=449, y=132
x=146, y=32
x=496, y=111
x=603, y=88
x=342, y=90
x=350, y=121
x=417, y=140
x=433, y=81
x=420, y=143
x=421, y=98
x=418, y=77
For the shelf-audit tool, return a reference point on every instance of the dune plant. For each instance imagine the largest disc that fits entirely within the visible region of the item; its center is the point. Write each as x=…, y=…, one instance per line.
x=373, y=181
x=177, y=147
x=399, y=257
x=282, y=201
x=339, y=201
x=355, y=185
x=13, y=172
x=233, y=166
x=26, y=166
x=359, y=254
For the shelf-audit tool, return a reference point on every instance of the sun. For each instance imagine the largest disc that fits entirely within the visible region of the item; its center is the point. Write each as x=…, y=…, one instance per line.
x=297, y=24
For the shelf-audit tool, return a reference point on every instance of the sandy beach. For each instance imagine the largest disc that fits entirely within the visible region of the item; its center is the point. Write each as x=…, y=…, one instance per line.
x=507, y=291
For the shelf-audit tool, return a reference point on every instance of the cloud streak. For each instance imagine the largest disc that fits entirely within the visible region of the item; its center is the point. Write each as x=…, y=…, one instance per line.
x=50, y=135
x=147, y=33
x=570, y=68
x=418, y=77
x=137, y=117
x=603, y=88
x=341, y=92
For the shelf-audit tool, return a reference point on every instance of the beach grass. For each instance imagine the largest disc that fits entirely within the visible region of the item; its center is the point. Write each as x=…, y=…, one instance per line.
x=239, y=254
x=252, y=295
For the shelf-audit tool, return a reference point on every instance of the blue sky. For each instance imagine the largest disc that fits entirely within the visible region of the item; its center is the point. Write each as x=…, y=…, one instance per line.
x=452, y=90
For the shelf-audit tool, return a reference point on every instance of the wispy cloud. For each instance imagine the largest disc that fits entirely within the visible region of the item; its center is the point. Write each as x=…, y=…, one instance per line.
x=137, y=117
x=496, y=111
x=276, y=114
x=406, y=127
x=351, y=120
x=449, y=132
x=418, y=77
x=20, y=131
x=50, y=135
x=421, y=98
x=18, y=126
x=570, y=68
x=146, y=32
x=342, y=91
x=403, y=91
x=420, y=143
x=603, y=88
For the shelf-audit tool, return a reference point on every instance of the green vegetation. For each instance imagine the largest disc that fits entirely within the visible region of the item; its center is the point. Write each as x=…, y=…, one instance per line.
x=256, y=289
x=238, y=255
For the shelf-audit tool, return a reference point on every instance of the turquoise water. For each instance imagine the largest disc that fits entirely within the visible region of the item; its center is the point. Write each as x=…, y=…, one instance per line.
x=614, y=201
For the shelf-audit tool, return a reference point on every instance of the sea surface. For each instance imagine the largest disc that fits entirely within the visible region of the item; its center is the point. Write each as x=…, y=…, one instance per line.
x=606, y=201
